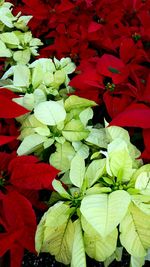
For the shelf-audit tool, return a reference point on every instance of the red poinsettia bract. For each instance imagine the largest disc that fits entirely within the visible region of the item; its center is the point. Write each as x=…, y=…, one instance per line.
x=8, y=111
x=17, y=217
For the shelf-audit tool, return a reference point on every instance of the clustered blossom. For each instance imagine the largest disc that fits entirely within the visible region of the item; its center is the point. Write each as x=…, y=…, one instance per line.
x=61, y=113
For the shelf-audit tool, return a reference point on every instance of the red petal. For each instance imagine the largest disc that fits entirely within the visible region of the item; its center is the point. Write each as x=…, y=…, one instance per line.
x=127, y=49
x=136, y=115
x=9, y=109
x=93, y=27
x=6, y=139
x=146, y=136
x=116, y=104
x=5, y=159
x=19, y=214
x=16, y=255
x=7, y=240
x=113, y=67
x=33, y=175
x=7, y=93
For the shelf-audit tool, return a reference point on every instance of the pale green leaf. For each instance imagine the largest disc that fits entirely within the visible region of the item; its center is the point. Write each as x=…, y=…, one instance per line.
x=97, y=137
x=104, y=212
x=96, y=246
x=120, y=161
x=77, y=170
x=44, y=131
x=30, y=144
x=55, y=233
x=114, y=132
x=81, y=149
x=147, y=258
x=9, y=38
x=57, y=185
x=46, y=64
x=117, y=255
x=50, y=112
x=6, y=16
x=22, y=57
x=67, y=66
x=4, y=51
x=35, y=42
x=86, y=115
x=143, y=182
x=21, y=75
x=98, y=189
x=142, y=202
x=61, y=159
x=65, y=178
x=22, y=22
x=59, y=78
x=94, y=171
x=137, y=261
x=100, y=248
x=74, y=101
x=48, y=142
x=75, y=131
x=135, y=231
x=78, y=251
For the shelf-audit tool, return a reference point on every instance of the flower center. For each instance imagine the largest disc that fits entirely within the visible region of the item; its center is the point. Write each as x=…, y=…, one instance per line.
x=110, y=86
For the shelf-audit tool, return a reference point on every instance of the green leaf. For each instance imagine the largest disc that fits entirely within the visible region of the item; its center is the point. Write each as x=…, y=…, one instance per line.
x=75, y=131
x=67, y=65
x=9, y=38
x=77, y=171
x=104, y=212
x=50, y=112
x=22, y=22
x=57, y=185
x=100, y=248
x=97, y=137
x=22, y=57
x=6, y=16
x=117, y=255
x=142, y=202
x=4, y=51
x=143, y=179
x=74, y=101
x=59, y=78
x=114, y=132
x=55, y=233
x=96, y=246
x=94, y=171
x=120, y=161
x=61, y=159
x=78, y=251
x=97, y=189
x=42, y=131
x=81, y=149
x=48, y=142
x=86, y=115
x=135, y=231
x=137, y=261
x=30, y=144
x=21, y=75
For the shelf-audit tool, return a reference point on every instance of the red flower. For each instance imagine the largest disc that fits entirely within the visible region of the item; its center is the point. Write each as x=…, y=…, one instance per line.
x=19, y=176
x=27, y=172
x=19, y=222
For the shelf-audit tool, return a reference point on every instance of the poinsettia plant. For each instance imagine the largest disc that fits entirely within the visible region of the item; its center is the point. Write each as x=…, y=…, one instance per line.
x=104, y=202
